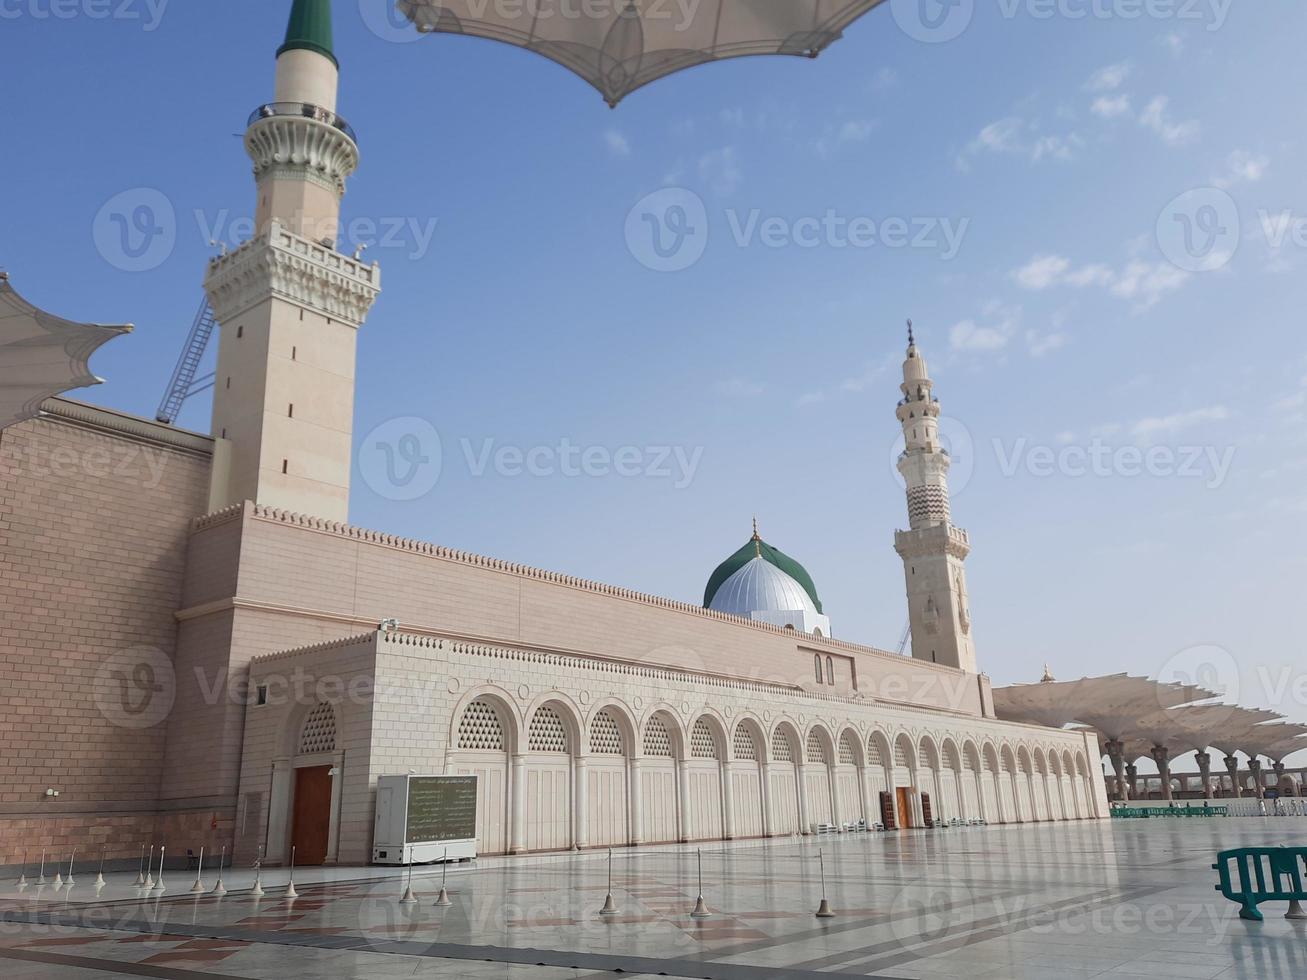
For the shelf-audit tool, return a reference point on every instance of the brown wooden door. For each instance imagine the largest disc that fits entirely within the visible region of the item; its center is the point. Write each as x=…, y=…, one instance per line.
x=927, y=814
x=887, y=818
x=905, y=807
x=311, y=824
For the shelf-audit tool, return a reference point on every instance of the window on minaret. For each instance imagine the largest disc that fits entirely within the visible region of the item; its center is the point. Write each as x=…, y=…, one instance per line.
x=816, y=662
x=830, y=670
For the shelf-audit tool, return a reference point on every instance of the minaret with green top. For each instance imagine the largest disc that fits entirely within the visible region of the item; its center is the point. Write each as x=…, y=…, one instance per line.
x=289, y=302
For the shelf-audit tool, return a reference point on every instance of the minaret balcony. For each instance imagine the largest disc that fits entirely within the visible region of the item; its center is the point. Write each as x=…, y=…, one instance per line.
x=303, y=110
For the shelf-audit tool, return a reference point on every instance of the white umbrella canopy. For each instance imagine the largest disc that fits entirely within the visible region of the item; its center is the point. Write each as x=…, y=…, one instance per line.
x=42, y=355
x=619, y=46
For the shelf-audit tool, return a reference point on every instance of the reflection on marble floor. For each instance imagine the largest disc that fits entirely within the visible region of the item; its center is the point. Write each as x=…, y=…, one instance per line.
x=1067, y=901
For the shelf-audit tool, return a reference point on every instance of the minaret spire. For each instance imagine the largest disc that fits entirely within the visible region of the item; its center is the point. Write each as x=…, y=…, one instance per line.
x=288, y=302
x=309, y=29
x=933, y=550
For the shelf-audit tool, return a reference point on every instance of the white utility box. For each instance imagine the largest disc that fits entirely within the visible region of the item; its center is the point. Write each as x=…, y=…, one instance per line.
x=423, y=819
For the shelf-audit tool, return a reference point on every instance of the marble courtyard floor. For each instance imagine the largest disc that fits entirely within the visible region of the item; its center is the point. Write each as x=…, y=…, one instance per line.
x=1063, y=901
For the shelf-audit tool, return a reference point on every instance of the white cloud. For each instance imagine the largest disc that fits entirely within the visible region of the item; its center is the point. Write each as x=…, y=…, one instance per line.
x=1156, y=118
x=1111, y=106
x=811, y=398
x=617, y=144
x=1014, y=136
x=1108, y=79
x=852, y=131
x=1177, y=422
x=720, y=170
x=1042, y=272
x=966, y=335
x=1144, y=283
x=1040, y=344
x=995, y=333
x=733, y=117
x=1174, y=43
x=1242, y=168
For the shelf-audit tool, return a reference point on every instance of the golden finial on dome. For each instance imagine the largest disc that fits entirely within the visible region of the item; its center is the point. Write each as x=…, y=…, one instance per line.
x=1048, y=677
x=912, y=341
x=757, y=539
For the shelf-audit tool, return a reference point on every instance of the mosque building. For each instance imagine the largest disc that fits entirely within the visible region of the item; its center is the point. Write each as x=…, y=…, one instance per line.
x=199, y=647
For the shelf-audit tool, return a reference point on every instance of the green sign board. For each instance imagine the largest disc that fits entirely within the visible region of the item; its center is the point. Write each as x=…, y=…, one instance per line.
x=441, y=808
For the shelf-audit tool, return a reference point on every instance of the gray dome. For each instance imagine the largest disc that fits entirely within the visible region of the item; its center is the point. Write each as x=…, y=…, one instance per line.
x=761, y=587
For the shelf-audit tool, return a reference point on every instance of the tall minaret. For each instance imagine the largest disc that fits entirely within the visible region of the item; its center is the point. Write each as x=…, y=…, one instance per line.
x=933, y=550
x=289, y=304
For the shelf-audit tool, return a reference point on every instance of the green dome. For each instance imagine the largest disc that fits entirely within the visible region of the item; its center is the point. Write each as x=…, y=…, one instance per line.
x=755, y=547
x=310, y=29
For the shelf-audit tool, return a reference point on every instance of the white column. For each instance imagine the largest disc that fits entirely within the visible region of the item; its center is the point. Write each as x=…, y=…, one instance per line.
x=581, y=795
x=279, y=804
x=864, y=786
x=337, y=784
x=805, y=826
x=517, y=829
x=768, y=822
x=728, y=800
x=634, y=768
x=683, y=799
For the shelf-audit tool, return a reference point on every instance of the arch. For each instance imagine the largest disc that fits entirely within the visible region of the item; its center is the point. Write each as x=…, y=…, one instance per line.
x=851, y=749
x=989, y=784
x=785, y=750
x=708, y=739
x=318, y=730
x=952, y=805
x=705, y=780
x=1082, y=788
x=552, y=741
x=905, y=756
x=610, y=730
x=818, y=777
x=661, y=746
x=1025, y=791
x=928, y=780
x=880, y=769
x=484, y=738
x=1039, y=780
x=748, y=797
x=972, y=775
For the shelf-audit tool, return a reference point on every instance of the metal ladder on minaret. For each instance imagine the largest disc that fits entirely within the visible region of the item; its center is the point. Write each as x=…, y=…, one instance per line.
x=184, y=383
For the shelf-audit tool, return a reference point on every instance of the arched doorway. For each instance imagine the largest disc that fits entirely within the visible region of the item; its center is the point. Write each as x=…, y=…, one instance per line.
x=849, y=779
x=989, y=784
x=484, y=741
x=905, y=781
x=551, y=744
x=658, y=784
x=928, y=782
x=1025, y=795
x=950, y=776
x=817, y=777
x=747, y=748
x=315, y=789
x=704, y=779
x=1007, y=795
x=608, y=800
x=783, y=788
x=972, y=781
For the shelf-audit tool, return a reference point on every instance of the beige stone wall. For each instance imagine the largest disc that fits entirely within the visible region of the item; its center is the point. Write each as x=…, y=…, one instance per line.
x=95, y=510
x=261, y=580
x=418, y=687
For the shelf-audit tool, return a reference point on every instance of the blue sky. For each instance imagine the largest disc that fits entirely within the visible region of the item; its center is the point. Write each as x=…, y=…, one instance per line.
x=1067, y=319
